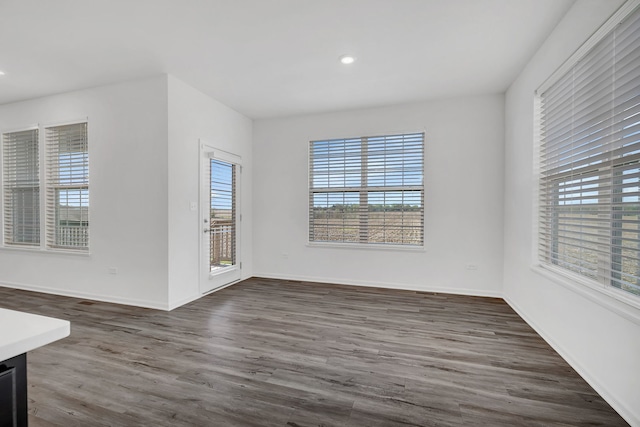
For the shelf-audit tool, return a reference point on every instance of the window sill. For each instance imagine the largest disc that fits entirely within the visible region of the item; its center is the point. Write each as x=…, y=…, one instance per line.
x=606, y=296
x=40, y=250
x=365, y=246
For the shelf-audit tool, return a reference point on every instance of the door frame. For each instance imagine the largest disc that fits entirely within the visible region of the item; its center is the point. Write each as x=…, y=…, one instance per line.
x=208, y=282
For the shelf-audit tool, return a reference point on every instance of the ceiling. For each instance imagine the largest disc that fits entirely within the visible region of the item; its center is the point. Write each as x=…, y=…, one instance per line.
x=271, y=58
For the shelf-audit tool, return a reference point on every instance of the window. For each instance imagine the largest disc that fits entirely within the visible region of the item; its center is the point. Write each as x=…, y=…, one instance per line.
x=367, y=190
x=222, y=214
x=589, y=207
x=61, y=195
x=67, y=186
x=21, y=187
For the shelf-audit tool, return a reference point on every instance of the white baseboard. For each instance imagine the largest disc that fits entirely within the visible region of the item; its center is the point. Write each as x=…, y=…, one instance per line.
x=109, y=298
x=385, y=285
x=618, y=406
x=175, y=304
x=86, y=295
x=184, y=301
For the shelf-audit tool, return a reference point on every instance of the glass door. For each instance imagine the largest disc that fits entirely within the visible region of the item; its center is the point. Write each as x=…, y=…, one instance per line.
x=220, y=265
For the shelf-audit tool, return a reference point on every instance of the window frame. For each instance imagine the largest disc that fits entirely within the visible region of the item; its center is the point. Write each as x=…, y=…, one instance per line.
x=55, y=185
x=361, y=192
x=44, y=188
x=594, y=289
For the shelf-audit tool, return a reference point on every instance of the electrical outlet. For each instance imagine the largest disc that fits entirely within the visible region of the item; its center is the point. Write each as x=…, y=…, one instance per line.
x=472, y=267
x=112, y=270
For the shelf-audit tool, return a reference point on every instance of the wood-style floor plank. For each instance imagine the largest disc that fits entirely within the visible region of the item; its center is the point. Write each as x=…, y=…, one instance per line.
x=294, y=354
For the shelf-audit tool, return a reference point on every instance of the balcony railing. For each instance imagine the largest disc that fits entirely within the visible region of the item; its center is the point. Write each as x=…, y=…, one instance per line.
x=72, y=236
x=222, y=242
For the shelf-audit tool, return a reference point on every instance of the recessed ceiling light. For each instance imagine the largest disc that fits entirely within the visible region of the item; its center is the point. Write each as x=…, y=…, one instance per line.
x=347, y=59
x=1, y=73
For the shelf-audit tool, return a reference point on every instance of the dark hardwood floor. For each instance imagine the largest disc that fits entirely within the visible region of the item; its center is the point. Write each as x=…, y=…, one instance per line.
x=279, y=353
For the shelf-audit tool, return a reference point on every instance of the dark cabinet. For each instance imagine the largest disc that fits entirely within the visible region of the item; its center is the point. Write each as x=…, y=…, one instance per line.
x=13, y=392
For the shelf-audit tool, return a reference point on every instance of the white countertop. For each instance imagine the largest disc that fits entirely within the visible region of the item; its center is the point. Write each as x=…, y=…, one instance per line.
x=22, y=332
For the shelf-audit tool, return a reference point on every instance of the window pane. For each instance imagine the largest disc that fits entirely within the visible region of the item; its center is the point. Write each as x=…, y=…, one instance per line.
x=395, y=217
x=625, y=240
x=336, y=164
x=577, y=237
x=72, y=218
x=21, y=188
x=335, y=217
x=395, y=160
x=24, y=218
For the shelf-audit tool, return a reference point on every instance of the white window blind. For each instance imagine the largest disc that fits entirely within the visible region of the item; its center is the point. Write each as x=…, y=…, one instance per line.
x=21, y=185
x=67, y=187
x=589, y=218
x=222, y=198
x=367, y=190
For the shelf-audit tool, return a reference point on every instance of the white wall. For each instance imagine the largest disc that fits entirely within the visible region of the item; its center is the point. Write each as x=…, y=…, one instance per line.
x=128, y=196
x=143, y=147
x=194, y=116
x=601, y=342
x=463, y=198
